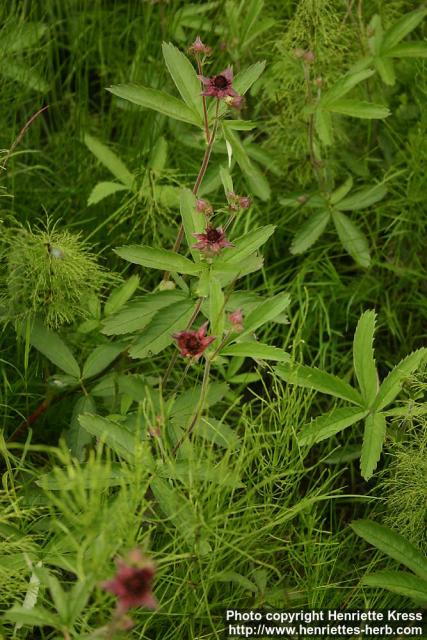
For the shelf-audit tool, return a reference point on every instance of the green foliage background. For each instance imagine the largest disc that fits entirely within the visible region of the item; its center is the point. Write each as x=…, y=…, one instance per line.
x=281, y=539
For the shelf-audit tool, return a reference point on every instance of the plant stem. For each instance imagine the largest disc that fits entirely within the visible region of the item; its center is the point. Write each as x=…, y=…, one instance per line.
x=200, y=407
x=201, y=175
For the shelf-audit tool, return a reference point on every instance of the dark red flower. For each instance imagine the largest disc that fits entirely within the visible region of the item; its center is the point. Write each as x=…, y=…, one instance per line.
x=211, y=241
x=219, y=86
x=199, y=47
x=132, y=582
x=192, y=344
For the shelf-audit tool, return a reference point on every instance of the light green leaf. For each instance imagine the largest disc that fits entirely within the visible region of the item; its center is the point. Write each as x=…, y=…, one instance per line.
x=385, y=68
x=216, y=308
x=310, y=232
x=393, y=544
x=103, y=190
x=363, y=357
x=77, y=437
x=401, y=28
x=256, y=180
x=373, y=440
x=54, y=348
x=193, y=221
x=185, y=78
x=400, y=582
x=116, y=436
x=156, y=100
x=158, y=259
x=344, y=85
x=359, y=109
x=100, y=358
x=264, y=312
x=120, y=295
x=352, y=239
x=392, y=385
x=323, y=126
x=245, y=246
x=312, y=378
x=341, y=191
x=110, y=160
x=328, y=425
x=138, y=313
x=256, y=350
x=363, y=198
x=158, y=334
x=37, y=616
x=408, y=50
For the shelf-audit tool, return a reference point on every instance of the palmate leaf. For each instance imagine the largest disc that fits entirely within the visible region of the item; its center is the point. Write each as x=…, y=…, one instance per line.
x=393, y=544
x=157, y=101
x=312, y=378
x=110, y=160
x=328, y=425
x=352, y=239
x=310, y=232
x=363, y=357
x=373, y=440
x=185, y=78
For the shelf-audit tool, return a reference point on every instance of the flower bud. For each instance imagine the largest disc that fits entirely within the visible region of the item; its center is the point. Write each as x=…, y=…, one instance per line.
x=309, y=57
x=203, y=206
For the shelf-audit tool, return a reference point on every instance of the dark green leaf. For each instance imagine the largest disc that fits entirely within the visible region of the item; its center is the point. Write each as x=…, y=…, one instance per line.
x=404, y=584
x=328, y=425
x=352, y=239
x=363, y=198
x=373, y=441
x=193, y=221
x=103, y=190
x=54, y=348
x=119, y=296
x=100, y=358
x=158, y=259
x=185, y=78
x=116, y=436
x=77, y=437
x=363, y=357
x=392, y=385
x=310, y=232
x=110, y=160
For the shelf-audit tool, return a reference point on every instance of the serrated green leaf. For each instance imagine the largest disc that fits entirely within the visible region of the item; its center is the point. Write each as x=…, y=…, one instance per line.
x=37, y=616
x=54, y=348
x=157, y=101
x=363, y=357
x=110, y=160
x=103, y=190
x=158, y=334
x=120, y=295
x=254, y=349
x=363, y=198
x=328, y=425
x=373, y=441
x=257, y=182
x=401, y=28
x=116, y=436
x=310, y=232
x=392, y=385
x=312, y=378
x=158, y=259
x=341, y=191
x=323, y=126
x=405, y=584
x=76, y=436
x=138, y=313
x=185, y=78
x=245, y=246
x=393, y=544
x=385, y=68
x=359, y=109
x=100, y=358
x=344, y=85
x=193, y=221
x=408, y=50
x=352, y=238
x=264, y=312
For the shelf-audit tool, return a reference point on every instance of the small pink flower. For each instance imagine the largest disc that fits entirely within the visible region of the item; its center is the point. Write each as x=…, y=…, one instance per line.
x=199, y=47
x=132, y=582
x=203, y=206
x=192, y=344
x=245, y=202
x=211, y=241
x=219, y=86
x=236, y=319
